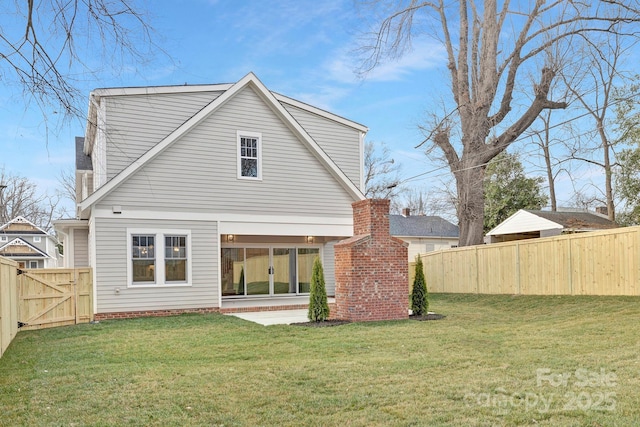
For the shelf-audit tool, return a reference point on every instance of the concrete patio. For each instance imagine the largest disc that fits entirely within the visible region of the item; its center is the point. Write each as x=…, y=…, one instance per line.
x=278, y=317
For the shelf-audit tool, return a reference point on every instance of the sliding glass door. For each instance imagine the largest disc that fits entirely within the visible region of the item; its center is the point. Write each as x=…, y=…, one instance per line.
x=269, y=271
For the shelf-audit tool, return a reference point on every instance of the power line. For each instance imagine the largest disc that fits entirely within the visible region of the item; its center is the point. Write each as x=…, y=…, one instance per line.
x=522, y=138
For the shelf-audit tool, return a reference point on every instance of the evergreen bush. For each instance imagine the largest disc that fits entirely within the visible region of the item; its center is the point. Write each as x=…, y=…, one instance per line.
x=419, y=296
x=318, y=306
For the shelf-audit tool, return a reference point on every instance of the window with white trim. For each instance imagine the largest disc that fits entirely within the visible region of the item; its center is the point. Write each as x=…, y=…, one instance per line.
x=143, y=253
x=249, y=155
x=4, y=238
x=159, y=257
x=175, y=258
x=33, y=264
x=37, y=239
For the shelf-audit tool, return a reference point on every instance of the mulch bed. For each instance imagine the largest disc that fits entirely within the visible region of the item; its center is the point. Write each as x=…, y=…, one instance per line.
x=338, y=322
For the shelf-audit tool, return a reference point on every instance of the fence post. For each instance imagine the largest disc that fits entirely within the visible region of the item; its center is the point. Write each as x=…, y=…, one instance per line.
x=518, y=290
x=570, y=263
x=477, y=270
x=74, y=283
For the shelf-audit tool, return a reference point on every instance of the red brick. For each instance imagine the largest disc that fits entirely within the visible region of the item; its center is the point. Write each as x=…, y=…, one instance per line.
x=371, y=268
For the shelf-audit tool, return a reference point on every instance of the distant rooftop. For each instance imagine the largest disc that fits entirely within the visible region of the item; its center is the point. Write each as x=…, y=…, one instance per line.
x=422, y=226
x=576, y=219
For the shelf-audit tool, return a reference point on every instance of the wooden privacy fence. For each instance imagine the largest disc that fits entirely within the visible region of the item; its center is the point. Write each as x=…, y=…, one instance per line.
x=55, y=297
x=8, y=303
x=597, y=263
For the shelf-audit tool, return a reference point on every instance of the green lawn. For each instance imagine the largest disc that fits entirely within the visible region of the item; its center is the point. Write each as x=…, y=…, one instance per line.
x=494, y=360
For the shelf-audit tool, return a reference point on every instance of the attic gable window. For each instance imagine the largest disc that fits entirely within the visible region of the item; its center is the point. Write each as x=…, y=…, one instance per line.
x=249, y=155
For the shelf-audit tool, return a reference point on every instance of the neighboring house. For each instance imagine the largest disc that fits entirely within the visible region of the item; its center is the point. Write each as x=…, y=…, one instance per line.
x=531, y=224
x=210, y=197
x=423, y=233
x=28, y=244
x=74, y=234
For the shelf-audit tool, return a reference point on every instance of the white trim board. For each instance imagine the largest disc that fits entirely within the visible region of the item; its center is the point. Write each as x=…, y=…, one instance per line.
x=265, y=225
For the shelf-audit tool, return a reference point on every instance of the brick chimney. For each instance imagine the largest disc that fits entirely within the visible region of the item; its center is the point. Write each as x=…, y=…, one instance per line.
x=371, y=268
x=602, y=210
x=406, y=212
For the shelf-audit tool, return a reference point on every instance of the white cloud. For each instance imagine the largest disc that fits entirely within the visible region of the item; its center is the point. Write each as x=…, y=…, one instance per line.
x=425, y=55
x=325, y=98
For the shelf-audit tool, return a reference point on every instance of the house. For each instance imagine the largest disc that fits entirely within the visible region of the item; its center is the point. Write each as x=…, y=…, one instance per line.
x=74, y=233
x=423, y=233
x=28, y=244
x=210, y=197
x=531, y=224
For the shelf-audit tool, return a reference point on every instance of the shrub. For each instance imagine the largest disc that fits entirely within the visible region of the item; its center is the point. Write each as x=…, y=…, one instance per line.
x=419, y=297
x=318, y=306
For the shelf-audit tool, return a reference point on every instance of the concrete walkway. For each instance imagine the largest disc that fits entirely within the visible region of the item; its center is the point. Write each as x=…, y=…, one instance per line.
x=280, y=317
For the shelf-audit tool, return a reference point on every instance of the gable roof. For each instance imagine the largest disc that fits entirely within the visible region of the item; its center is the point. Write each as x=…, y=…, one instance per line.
x=535, y=220
x=29, y=250
x=576, y=220
x=83, y=161
x=250, y=80
x=21, y=225
x=422, y=226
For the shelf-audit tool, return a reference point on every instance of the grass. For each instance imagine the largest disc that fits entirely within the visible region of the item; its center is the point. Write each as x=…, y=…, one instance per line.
x=494, y=360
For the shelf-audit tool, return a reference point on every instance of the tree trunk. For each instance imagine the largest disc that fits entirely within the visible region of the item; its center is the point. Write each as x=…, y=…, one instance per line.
x=608, y=185
x=550, y=179
x=469, y=184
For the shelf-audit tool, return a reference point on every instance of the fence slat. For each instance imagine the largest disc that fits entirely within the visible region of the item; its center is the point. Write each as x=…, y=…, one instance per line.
x=8, y=303
x=595, y=263
x=55, y=297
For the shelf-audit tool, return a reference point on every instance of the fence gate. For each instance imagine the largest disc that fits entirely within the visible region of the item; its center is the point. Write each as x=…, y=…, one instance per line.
x=54, y=297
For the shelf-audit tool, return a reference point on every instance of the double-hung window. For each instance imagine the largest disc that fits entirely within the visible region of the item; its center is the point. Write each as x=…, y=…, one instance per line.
x=175, y=258
x=143, y=251
x=158, y=257
x=249, y=155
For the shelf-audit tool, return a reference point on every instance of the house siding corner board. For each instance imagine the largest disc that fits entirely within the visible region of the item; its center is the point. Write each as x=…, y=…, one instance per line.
x=115, y=296
x=192, y=176
x=138, y=122
x=335, y=139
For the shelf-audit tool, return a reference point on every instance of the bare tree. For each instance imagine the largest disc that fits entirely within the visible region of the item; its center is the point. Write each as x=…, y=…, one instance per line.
x=496, y=53
x=381, y=172
x=67, y=182
x=438, y=202
x=550, y=140
x=595, y=95
x=41, y=45
x=20, y=197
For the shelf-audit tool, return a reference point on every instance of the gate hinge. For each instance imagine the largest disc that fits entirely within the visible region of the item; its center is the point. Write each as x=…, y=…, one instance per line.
x=20, y=272
x=21, y=324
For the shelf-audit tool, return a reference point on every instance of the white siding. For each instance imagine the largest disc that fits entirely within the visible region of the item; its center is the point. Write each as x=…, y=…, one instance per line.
x=138, y=122
x=80, y=248
x=340, y=142
x=328, y=266
x=198, y=173
x=522, y=222
x=424, y=245
x=111, y=268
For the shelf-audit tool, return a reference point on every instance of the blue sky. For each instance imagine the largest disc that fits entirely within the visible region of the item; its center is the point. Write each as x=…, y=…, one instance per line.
x=304, y=49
